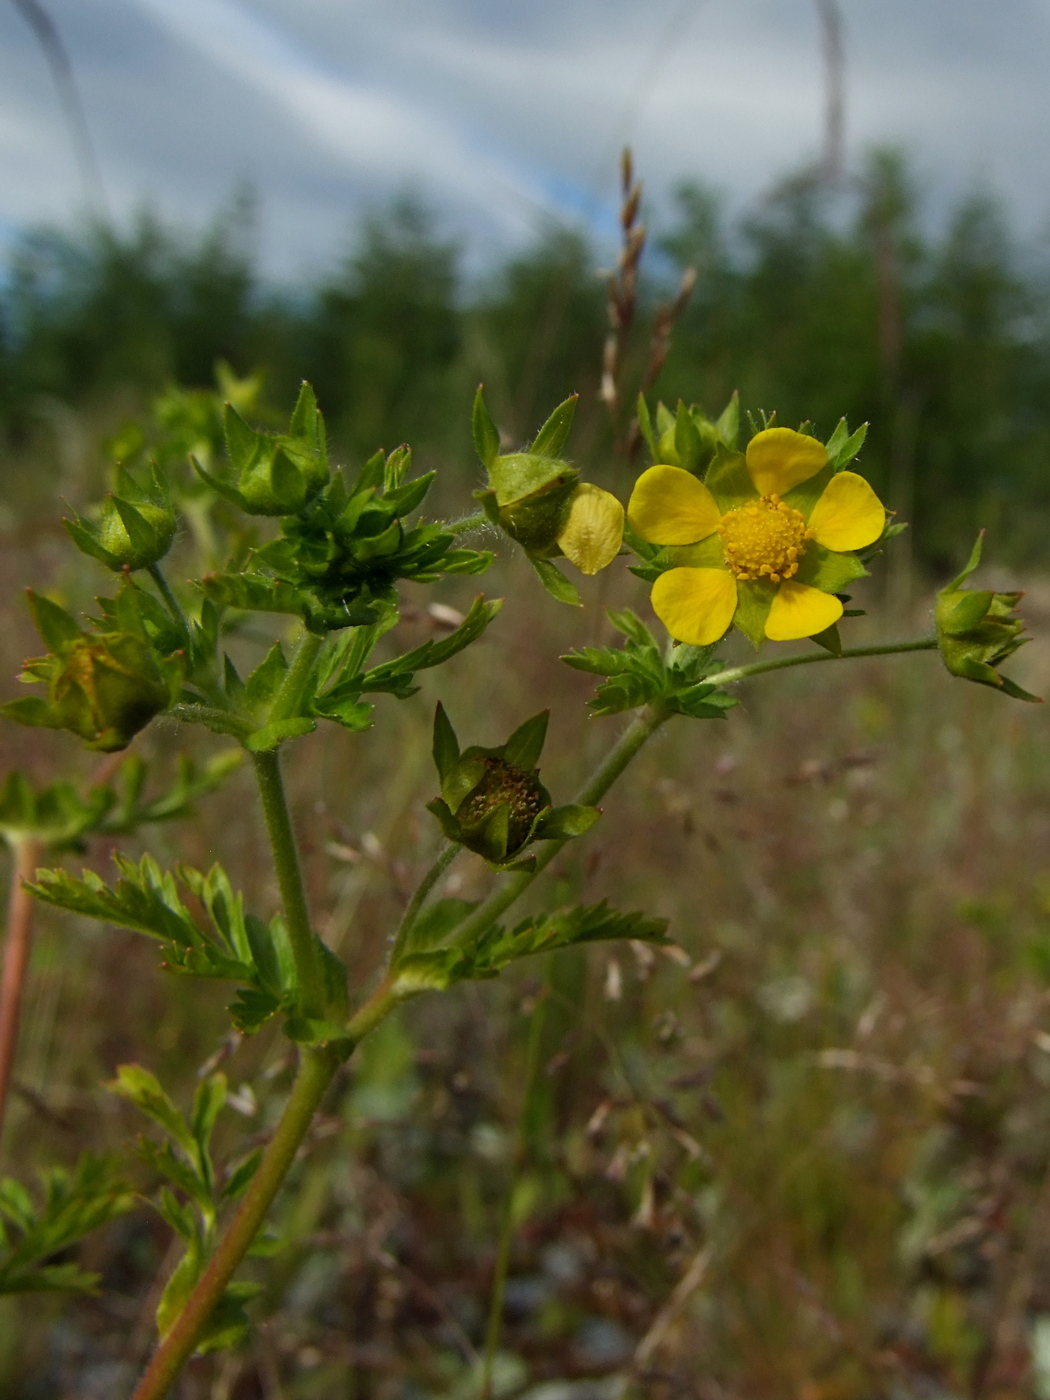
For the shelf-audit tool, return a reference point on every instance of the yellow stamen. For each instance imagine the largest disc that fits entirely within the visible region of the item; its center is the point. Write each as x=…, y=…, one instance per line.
x=764, y=539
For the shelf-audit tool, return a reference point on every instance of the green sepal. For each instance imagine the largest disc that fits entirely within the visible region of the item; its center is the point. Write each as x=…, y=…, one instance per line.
x=689, y=446
x=525, y=745
x=564, y=823
x=729, y=480
x=828, y=570
x=555, y=582
x=552, y=437
x=727, y=424
x=446, y=745
x=843, y=446
x=486, y=434
x=645, y=426
x=754, y=598
x=829, y=639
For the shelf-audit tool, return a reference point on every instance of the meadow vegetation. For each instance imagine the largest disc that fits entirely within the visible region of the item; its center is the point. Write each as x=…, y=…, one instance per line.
x=803, y=1152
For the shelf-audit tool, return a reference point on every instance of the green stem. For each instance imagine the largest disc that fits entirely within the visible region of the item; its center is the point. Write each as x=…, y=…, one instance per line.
x=317, y=1069
x=170, y=601
x=806, y=658
x=444, y=859
x=468, y=523
x=219, y=721
x=641, y=729
x=290, y=879
x=287, y=702
x=506, y=1233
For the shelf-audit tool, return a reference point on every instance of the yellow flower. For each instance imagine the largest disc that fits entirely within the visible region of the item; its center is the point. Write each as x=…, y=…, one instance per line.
x=593, y=531
x=764, y=542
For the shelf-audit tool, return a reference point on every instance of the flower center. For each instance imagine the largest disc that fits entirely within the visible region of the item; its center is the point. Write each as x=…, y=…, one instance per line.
x=764, y=539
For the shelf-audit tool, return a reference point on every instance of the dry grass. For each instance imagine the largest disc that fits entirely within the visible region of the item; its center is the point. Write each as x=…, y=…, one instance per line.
x=809, y=1158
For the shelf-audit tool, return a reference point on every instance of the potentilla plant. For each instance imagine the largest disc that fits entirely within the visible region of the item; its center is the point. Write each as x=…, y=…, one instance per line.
x=764, y=536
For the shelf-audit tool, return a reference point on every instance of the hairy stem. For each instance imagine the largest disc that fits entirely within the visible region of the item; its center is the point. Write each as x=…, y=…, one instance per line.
x=290, y=879
x=444, y=859
x=468, y=523
x=806, y=658
x=317, y=1069
x=170, y=601
x=506, y=1233
x=27, y=851
x=637, y=734
x=286, y=703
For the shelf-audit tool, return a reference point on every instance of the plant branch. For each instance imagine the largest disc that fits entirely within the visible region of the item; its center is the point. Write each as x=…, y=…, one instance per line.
x=638, y=733
x=317, y=1069
x=170, y=601
x=444, y=859
x=287, y=702
x=290, y=879
x=469, y=522
x=806, y=658
x=27, y=851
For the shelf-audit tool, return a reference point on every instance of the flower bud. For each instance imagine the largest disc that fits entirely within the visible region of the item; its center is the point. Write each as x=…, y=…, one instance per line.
x=492, y=801
x=978, y=629
x=135, y=527
x=532, y=499
x=274, y=475
x=103, y=686
x=106, y=689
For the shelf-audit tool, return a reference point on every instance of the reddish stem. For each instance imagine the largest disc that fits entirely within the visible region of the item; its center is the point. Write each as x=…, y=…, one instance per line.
x=16, y=958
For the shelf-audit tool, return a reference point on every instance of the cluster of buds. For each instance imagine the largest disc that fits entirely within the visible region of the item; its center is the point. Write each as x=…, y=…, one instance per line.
x=103, y=686
x=134, y=528
x=492, y=801
x=538, y=499
x=978, y=630
x=688, y=438
x=274, y=473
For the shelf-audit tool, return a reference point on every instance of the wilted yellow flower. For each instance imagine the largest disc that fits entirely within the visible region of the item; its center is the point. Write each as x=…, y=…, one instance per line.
x=593, y=532
x=763, y=542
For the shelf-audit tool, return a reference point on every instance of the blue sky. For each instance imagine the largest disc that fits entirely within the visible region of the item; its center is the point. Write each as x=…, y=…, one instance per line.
x=503, y=112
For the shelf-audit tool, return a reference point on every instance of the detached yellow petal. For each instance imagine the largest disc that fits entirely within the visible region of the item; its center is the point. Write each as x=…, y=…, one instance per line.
x=848, y=515
x=669, y=506
x=780, y=458
x=593, y=532
x=800, y=611
x=695, y=605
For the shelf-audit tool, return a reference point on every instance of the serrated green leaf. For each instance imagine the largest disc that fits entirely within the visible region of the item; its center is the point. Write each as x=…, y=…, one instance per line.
x=143, y=1089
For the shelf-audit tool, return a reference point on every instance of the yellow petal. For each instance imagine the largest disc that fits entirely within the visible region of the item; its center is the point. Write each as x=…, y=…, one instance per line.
x=695, y=605
x=800, y=611
x=593, y=533
x=848, y=515
x=780, y=458
x=669, y=506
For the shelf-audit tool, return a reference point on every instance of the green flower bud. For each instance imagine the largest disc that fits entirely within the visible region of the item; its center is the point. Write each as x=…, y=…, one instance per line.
x=135, y=526
x=103, y=687
x=977, y=630
x=274, y=474
x=492, y=801
x=533, y=495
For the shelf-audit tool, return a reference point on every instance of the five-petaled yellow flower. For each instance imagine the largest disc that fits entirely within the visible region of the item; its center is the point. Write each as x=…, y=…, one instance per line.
x=770, y=541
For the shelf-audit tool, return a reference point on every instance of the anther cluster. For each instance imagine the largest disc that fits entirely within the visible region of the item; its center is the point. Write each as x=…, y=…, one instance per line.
x=764, y=539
